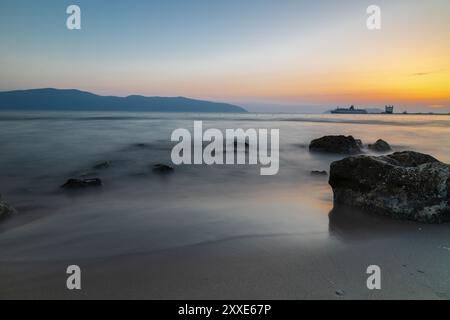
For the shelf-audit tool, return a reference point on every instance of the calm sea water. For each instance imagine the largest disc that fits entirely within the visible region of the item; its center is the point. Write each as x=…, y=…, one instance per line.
x=138, y=211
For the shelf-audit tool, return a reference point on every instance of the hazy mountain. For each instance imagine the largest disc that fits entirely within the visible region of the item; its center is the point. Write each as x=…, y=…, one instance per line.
x=76, y=100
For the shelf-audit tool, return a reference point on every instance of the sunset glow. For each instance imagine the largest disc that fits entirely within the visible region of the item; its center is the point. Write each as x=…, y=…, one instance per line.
x=293, y=52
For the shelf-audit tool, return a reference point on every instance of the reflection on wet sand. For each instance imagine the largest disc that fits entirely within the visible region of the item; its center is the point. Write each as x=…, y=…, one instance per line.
x=349, y=224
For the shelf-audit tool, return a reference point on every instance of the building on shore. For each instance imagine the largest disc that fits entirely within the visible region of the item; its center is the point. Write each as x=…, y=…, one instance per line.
x=389, y=109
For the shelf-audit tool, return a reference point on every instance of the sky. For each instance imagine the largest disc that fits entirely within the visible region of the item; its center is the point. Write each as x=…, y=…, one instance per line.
x=265, y=55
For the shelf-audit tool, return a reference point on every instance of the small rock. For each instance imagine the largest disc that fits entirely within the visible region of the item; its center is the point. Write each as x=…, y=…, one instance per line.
x=380, y=146
x=102, y=165
x=336, y=144
x=319, y=173
x=162, y=169
x=5, y=209
x=141, y=145
x=82, y=183
x=340, y=292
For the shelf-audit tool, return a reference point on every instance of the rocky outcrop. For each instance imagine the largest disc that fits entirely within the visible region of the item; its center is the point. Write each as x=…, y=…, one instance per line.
x=380, y=146
x=5, y=209
x=404, y=185
x=336, y=144
x=76, y=184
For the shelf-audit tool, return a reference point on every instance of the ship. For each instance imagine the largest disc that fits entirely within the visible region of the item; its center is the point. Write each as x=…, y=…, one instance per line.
x=351, y=110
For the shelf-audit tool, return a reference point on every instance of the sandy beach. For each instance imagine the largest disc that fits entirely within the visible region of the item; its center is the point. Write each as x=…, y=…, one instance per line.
x=303, y=266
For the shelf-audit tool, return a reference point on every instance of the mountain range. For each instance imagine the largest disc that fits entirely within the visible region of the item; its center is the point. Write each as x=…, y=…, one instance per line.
x=75, y=100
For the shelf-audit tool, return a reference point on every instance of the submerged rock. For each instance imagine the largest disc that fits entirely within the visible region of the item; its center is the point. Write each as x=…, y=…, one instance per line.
x=403, y=185
x=340, y=292
x=336, y=144
x=319, y=173
x=380, y=146
x=141, y=146
x=5, y=209
x=162, y=169
x=82, y=183
x=102, y=165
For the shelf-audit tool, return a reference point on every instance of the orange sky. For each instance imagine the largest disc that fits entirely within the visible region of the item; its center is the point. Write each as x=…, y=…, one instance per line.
x=303, y=53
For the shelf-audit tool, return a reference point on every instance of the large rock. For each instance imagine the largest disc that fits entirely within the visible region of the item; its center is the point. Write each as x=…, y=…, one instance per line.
x=404, y=185
x=336, y=144
x=5, y=209
x=380, y=146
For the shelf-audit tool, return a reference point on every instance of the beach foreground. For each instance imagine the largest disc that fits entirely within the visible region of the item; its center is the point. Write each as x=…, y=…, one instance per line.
x=413, y=261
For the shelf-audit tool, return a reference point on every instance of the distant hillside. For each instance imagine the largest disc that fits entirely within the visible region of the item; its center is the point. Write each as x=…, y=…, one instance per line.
x=75, y=100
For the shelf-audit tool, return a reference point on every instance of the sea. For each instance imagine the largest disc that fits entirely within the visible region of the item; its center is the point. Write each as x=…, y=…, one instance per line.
x=139, y=211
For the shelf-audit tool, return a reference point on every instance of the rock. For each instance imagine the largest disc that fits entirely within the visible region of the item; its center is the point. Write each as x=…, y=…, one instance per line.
x=102, y=165
x=403, y=185
x=141, y=145
x=359, y=143
x=5, y=209
x=82, y=183
x=162, y=169
x=380, y=146
x=336, y=144
x=340, y=292
x=319, y=173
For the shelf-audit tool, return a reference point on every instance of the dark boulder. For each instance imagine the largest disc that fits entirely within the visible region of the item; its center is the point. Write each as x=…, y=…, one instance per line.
x=5, y=209
x=73, y=184
x=162, y=169
x=380, y=146
x=404, y=185
x=336, y=144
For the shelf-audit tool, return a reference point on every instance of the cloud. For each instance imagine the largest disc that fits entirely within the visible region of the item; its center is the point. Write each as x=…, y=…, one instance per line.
x=420, y=74
x=426, y=73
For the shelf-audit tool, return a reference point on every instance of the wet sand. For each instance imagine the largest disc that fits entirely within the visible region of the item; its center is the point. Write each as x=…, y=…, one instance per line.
x=413, y=263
